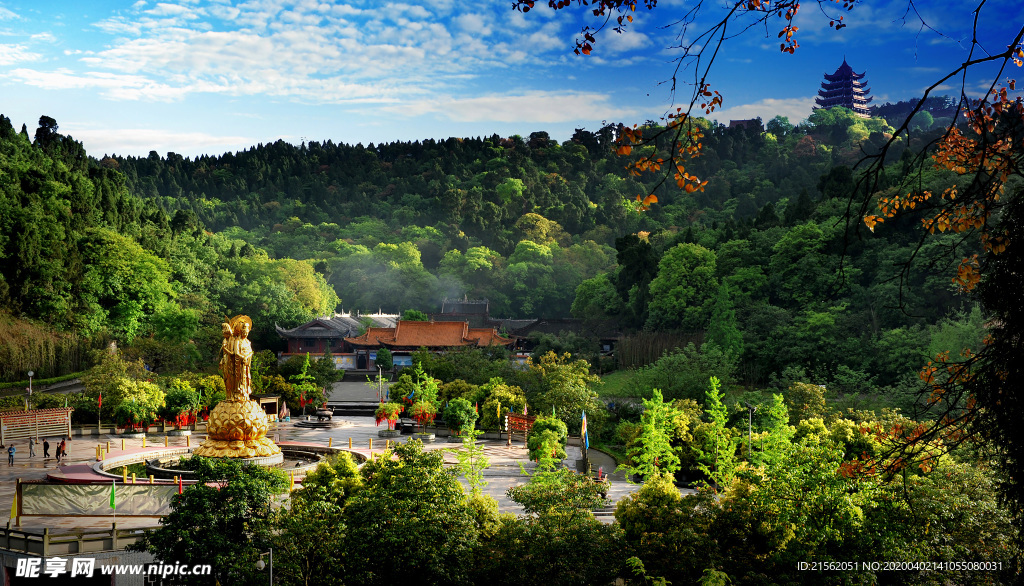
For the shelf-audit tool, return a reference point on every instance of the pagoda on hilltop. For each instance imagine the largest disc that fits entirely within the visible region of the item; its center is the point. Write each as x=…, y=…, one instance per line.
x=845, y=88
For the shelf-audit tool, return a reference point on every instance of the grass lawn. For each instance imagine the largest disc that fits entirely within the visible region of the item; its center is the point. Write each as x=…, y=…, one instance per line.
x=615, y=384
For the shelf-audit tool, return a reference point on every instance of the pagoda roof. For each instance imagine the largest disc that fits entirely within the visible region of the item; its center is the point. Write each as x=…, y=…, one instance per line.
x=844, y=102
x=842, y=86
x=339, y=325
x=842, y=91
x=431, y=334
x=844, y=72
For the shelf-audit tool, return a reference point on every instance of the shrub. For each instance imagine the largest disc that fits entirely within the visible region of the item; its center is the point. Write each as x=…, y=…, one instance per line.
x=545, y=444
x=423, y=412
x=181, y=399
x=459, y=389
x=131, y=415
x=547, y=435
x=388, y=412
x=460, y=415
x=501, y=399
x=559, y=490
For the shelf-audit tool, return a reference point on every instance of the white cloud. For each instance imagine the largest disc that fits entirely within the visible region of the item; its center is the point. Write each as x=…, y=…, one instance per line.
x=547, y=37
x=474, y=24
x=628, y=40
x=796, y=109
x=11, y=54
x=308, y=50
x=119, y=25
x=139, y=141
x=7, y=14
x=164, y=9
x=407, y=11
x=44, y=37
x=518, y=20
x=536, y=106
x=128, y=87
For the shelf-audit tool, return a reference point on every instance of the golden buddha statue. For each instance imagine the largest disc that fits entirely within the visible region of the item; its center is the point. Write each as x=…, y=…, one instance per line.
x=238, y=426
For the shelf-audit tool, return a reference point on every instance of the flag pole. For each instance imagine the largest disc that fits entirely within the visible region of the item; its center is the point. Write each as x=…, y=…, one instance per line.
x=585, y=444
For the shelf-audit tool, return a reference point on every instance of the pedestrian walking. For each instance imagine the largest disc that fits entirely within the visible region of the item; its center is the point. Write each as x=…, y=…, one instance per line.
x=10, y=455
x=46, y=448
x=31, y=447
x=61, y=451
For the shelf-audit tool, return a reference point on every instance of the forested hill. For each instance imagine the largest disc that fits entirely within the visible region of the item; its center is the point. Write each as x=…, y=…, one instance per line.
x=160, y=248
x=83, y=254
x=482, y=187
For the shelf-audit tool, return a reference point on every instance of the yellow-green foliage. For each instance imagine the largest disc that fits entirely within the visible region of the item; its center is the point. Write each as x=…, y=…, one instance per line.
x=484, y=510
x=856, y=443
x=503, y=397
x=334, y=481
x=458, y=389
x=815, y=426
x=805, y=401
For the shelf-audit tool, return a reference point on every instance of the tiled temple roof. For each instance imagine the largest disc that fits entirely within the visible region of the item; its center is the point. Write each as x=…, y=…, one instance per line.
x=430, y=334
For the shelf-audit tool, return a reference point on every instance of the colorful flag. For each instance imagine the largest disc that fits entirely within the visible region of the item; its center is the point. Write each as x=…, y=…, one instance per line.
x=411, y=393
x=583, y=432
x=524, y=408
x=113, y=489
x=179, y=485
x=476, y=407
x=553, y=414
x=14, y=507
x=100, y=406
x=302, y=400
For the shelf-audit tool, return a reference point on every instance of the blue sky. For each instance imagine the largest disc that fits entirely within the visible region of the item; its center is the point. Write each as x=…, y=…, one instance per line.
x=208, y=76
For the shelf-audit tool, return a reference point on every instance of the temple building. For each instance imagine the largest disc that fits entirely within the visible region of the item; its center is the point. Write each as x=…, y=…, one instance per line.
x=845, y=88
x=353, y=340
x=328, y=333
x=409, y=336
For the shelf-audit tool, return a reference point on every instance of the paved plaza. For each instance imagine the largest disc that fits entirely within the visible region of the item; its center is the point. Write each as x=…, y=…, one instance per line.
x=503, y=473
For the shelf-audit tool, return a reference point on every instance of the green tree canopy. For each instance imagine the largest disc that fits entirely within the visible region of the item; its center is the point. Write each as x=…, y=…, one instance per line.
x=223, y=520
x=683, y=293
x=410, y=522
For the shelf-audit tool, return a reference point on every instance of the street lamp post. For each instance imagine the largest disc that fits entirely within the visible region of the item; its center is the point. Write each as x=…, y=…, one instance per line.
x=29, y=397
x=260, y=564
